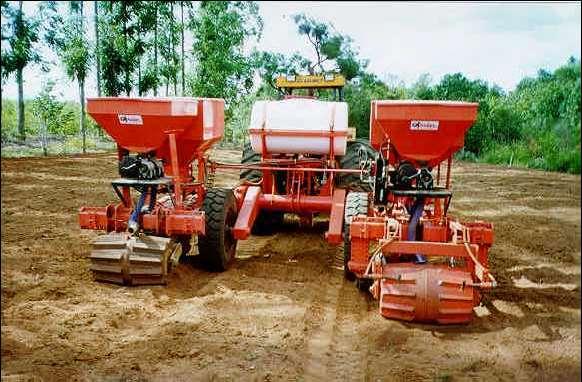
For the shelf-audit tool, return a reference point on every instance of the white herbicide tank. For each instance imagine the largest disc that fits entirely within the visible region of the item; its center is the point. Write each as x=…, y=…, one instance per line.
x=299, y=126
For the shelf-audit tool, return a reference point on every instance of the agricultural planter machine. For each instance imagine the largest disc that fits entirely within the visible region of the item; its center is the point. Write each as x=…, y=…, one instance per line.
x=161, y=151
x=421, y=264
x=387, y=199
x=384, y=200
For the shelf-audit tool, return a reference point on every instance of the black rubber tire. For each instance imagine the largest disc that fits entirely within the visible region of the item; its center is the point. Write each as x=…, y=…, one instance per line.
x=217, y=247
x=356, y=204
x=351, y=160
x=249, y=156
x=267, y=221
x=363, y=284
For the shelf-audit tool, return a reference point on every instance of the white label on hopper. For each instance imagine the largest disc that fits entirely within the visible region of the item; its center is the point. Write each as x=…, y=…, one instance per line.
x=424, y=125
x=130, y=119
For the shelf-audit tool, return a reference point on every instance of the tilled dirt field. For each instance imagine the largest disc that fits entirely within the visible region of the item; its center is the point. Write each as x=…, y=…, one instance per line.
x=281, y=312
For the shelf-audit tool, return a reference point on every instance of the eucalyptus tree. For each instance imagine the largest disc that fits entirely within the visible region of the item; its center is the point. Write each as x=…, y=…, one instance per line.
x=139, y=46
x=160, y=31
x=120, y=46
x=96, y=24
x=168, y=40
x=49, y=111
x=329, y=46
x=220, y=30
x=19, y=35
x=66, y=34
x=183, y=26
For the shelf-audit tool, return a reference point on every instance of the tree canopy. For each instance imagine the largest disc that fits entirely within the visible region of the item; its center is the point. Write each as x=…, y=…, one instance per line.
x=329, y=47
x=177, y=48
x=19, y=37
x=220, y=30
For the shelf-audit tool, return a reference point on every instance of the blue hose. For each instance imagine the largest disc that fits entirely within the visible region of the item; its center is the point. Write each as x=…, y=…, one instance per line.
x=415, y=214
x=132, y=224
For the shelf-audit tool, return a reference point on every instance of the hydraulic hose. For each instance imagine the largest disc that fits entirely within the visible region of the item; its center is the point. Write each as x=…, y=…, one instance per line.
x=132, y=224
x=415, y=214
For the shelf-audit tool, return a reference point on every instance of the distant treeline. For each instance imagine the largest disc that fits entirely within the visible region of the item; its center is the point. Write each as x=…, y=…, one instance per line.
x=537, y=125
x=139, y=48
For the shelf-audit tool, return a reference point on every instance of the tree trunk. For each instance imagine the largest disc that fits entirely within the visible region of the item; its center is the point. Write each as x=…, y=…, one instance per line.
x=21, y=132
x=97, y=50
x=139, y=35
x=173, y=50
x=19, y=80
x=175, y=84
x=82, y=92
x=126, y=58
x=82, y=99
x=156, y=51
x=44, y=138
x=98, y=54
x=167, y=59
x=183, y=76
x=139, y=76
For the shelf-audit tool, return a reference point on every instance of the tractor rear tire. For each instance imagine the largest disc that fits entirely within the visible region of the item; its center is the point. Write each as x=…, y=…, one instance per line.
x=217, y=247
x=354, y=150
x=356, y=204
x=248, y=157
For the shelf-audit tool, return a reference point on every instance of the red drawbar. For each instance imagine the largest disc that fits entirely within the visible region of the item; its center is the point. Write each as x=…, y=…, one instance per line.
x=295, y=203
x=336, y=217
x=247, y=213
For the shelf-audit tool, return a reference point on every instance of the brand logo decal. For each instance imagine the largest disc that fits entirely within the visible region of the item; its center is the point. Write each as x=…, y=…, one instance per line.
x=130, y=119
x=424, y=125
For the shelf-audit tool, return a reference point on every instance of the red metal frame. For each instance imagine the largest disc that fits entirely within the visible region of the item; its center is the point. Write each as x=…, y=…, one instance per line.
x=302, y=195
x=164, y=220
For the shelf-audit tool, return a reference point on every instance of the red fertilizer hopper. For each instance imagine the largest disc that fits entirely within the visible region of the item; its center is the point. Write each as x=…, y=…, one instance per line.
x=423, y=132
x=177, y=209
x=144, y=125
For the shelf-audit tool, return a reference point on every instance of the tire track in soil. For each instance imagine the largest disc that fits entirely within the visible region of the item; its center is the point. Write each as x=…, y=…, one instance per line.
x=349, y=346
x=335, y=349
x=318, y=346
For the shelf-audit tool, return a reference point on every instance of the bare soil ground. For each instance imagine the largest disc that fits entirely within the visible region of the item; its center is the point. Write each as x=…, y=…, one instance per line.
x=281, y=312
